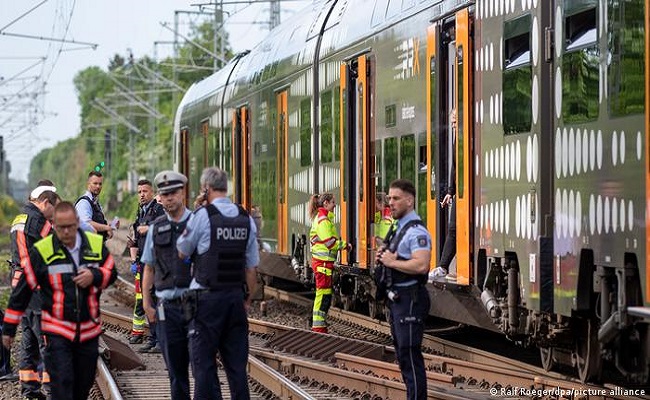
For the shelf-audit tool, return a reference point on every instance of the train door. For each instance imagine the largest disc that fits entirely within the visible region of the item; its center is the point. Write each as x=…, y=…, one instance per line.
x=450, y=149
x=241, y=157
x=357, y=159
x=282, y=172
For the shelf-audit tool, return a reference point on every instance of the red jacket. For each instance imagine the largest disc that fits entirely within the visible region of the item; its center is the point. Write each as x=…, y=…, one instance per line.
x=67, y=310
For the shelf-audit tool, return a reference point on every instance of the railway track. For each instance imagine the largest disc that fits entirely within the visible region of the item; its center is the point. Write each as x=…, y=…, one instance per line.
x=454, y=370
x=465, y=366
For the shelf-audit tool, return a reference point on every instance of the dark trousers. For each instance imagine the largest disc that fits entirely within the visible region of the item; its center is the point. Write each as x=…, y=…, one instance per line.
x=72, y=366
x=172, y=334
x=30, y=367
x=449, y=248
x=220, y=324
x=5, y=355
x=407, y=317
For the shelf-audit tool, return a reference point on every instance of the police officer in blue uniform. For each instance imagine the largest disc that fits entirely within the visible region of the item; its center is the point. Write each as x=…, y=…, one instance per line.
x=407, y=258
x=221, y=237
x=171, y=277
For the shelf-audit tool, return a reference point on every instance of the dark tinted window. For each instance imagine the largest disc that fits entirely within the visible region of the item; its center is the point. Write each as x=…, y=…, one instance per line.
x=626, y=57
x=305, y=132
x=580, y=67
x=517, y=77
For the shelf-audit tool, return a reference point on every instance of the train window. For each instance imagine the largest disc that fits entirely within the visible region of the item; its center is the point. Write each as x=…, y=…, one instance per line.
x=517, y=77
x=379, y=12
x=336, y=127
x=580, y=64
x=626, y=63
x=407, y=157
x=305, y=133
x=326, y=127
x=390, y=159
x=391, y=116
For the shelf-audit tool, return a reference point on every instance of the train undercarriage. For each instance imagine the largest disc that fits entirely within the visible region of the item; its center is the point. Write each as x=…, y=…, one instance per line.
x=605, y=332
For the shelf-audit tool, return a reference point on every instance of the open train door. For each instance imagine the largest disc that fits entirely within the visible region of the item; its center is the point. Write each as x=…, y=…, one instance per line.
x=282, y=131
x=449, y=82
x=464, y=149
x=241, y=157
x=357, y=160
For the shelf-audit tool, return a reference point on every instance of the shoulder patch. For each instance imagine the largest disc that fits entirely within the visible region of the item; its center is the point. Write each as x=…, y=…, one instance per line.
x=422, y=241
x=20, y=219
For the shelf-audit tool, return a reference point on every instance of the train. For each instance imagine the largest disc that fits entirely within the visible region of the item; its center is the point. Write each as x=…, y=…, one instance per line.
x=552, y=157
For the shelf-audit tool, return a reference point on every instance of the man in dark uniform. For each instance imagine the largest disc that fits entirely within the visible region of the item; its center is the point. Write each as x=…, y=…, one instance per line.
x=221, y=236
x=407, y=258
x=72, y=267
x=171, y=277
x=91, y=214
x=30, y=226
x=149, y=209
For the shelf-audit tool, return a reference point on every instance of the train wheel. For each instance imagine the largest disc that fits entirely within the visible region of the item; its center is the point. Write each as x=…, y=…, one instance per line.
x=587, y=351
x=546, y=354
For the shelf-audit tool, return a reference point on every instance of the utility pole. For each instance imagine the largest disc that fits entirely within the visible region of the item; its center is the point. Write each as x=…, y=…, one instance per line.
x=218, y=36
x=274, y=19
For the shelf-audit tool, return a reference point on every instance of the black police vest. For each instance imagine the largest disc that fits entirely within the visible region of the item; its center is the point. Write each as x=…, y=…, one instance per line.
x=34, y=225
x=394, y=241
x=223, y=265
x=170, y=271
x=154, y=211
x=98, y=215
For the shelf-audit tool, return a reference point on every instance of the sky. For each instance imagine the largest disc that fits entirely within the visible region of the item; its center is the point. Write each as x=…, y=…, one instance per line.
x=38, y=102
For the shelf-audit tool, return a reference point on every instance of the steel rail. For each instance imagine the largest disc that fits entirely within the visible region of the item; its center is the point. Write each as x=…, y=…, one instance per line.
x=106, y=383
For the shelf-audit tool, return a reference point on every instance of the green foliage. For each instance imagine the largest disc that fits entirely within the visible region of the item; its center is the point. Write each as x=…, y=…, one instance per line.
x=8, y=210
x=67, y=163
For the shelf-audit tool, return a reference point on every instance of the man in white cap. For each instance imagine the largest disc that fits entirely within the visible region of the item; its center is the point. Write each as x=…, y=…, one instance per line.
x=30, y=226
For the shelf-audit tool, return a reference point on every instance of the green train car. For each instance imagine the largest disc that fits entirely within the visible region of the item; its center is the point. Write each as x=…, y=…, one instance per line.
x=552, y=156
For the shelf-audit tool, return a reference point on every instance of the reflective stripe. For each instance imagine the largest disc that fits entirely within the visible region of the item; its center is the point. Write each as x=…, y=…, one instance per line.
x=17, y=274
x=60, y=269
x=28, y=375
x=324, y=270
x=17, y=228
x=87, y=329
x=46, y=377
x=12, y=316
x=106, y=270
x=25, y=261
x=46, y=229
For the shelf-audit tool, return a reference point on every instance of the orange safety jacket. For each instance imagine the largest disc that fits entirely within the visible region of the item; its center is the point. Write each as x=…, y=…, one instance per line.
x=67, y=309
x=26, y=229
x=324, y=239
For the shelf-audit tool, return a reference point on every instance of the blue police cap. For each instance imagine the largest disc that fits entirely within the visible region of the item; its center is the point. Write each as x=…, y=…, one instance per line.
x=169, y=181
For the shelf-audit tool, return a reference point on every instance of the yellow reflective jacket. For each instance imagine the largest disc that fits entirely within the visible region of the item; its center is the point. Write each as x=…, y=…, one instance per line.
x=383, y=221
x=324, y=239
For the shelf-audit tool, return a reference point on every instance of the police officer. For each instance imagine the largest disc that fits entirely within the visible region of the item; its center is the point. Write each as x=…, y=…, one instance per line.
x=171, y=277
x=407, y=257
x=149, y=209
x=91, y=215
x=27, y=228
x=222, y=237
x=72, y=267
